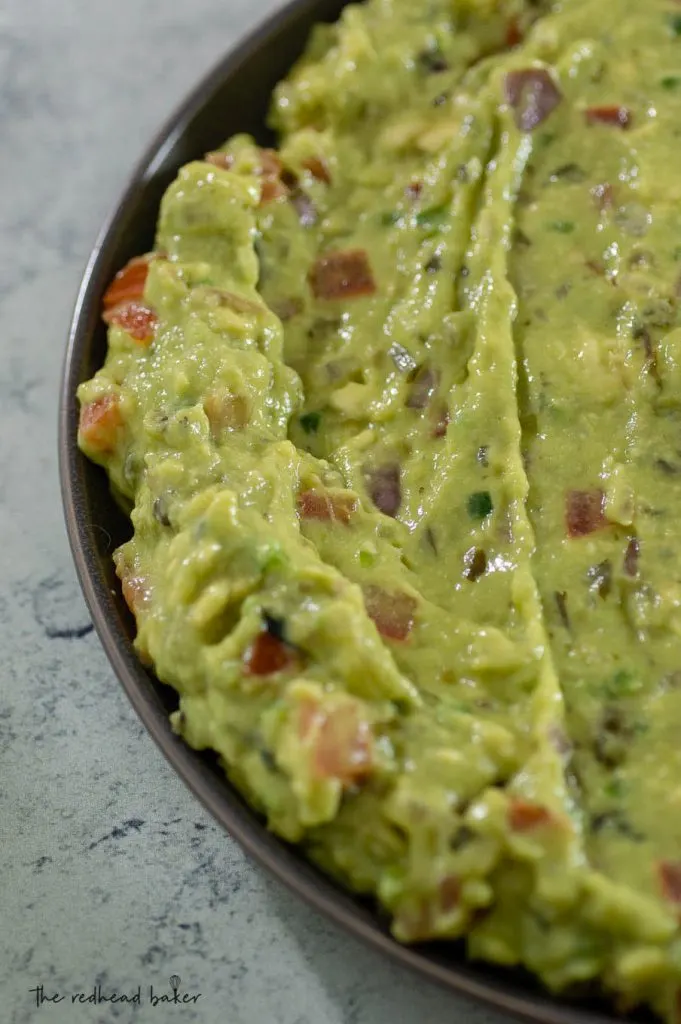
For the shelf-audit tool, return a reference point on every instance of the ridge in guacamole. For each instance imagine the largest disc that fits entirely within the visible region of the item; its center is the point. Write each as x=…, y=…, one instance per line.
x=396, y=411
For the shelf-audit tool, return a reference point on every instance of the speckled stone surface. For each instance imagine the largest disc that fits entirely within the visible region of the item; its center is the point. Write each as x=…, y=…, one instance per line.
x=111, y=872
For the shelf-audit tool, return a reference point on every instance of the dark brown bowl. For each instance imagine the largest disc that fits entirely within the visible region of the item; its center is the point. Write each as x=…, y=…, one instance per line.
x=233, y=98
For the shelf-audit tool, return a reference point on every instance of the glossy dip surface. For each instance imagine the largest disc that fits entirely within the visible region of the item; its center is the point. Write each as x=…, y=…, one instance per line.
x=395, y=409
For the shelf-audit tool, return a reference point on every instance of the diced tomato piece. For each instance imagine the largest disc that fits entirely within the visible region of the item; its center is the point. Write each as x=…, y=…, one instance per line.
x=128, y=284
x=270, y=164
x=135, y=585
x=344, y=744
x=384, y=485
x=322, y=505
x=584, y=512
x=618, y=117
x=533, y=95
x=342, y=275
x=514, y=35
x=270, y=170
x=318, y=169
x=669, y=872
x=272, y=188
x=222, y=160
x=100, y=423
x=267, y=654
x=343, y=749
x=135, y=591
x=524, y=816
x=139, y=321
x=393, y=614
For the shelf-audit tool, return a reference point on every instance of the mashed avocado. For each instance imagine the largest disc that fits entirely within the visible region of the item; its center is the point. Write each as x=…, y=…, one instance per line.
x=396, y=409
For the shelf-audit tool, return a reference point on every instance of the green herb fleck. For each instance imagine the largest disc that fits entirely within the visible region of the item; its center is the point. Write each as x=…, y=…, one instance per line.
x=563, y=227
x=391, y=218
x=670, y=82
x=622, y=684
x=274, y=559
x=460, y=707
x=433, y=217
x=675, y=24
x=677, y=253
x=614, y=788
x=309, y=421
x=480, y=504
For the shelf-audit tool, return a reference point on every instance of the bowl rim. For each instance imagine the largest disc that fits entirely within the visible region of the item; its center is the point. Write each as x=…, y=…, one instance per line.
x=240, y=821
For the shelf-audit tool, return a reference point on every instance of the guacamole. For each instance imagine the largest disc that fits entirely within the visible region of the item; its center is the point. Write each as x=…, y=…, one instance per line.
x=396, y=411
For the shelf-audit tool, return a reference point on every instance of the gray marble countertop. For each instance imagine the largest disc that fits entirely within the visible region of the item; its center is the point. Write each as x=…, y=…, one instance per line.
x=112, y=873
